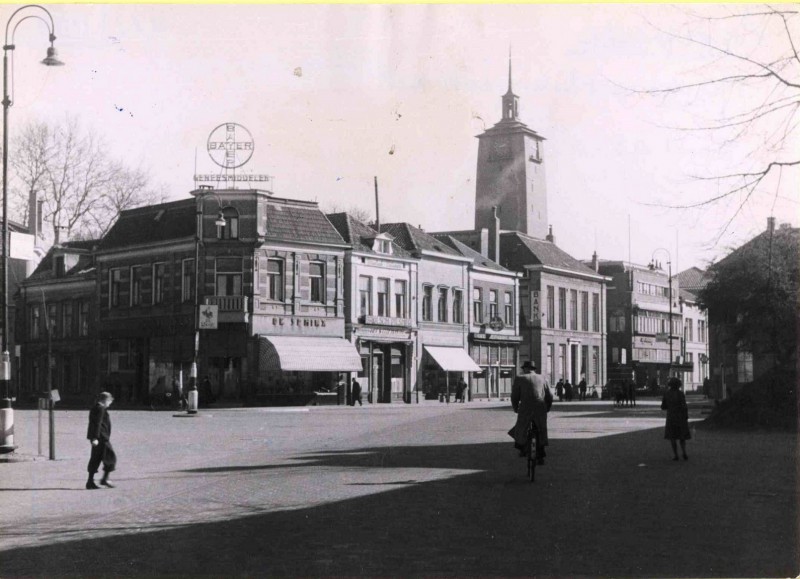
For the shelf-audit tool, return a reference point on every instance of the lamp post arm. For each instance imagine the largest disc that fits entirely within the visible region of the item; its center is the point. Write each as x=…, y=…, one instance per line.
x=51, y=28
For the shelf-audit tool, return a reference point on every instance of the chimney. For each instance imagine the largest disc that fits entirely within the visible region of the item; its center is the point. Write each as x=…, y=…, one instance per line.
x=494, y=236
x=595, y=264
x=550, y=237
x=770, y=224
x=484, y=242
x=785, y=226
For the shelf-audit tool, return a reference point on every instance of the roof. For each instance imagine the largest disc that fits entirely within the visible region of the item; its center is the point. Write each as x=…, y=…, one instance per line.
x=360, y=235
x=415, y=240
x=687, y=295
x=477, y=258
x=539, y=252
x=83, y=268
x=300, y=222
x=759, y=240
x=152, y=224
x=693, y=278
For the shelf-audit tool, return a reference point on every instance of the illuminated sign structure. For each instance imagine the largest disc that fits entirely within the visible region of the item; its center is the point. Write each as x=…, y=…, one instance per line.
x=230, y=145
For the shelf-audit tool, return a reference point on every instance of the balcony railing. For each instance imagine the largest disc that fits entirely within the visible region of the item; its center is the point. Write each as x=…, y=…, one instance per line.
x=232, y=309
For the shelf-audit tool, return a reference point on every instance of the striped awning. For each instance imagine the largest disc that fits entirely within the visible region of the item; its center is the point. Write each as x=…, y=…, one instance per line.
x=308, y=354
x=452, y=359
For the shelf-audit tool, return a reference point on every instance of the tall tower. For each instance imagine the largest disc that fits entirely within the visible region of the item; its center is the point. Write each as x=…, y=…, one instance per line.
x=511, y=173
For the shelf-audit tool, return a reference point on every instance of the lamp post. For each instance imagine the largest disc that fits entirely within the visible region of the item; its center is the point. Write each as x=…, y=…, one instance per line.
x=654, y=265
x=6, y=412
x=219, y=222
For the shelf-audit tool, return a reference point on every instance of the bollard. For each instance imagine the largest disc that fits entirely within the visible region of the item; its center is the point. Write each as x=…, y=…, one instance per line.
x=192, y=397
x=7, y=426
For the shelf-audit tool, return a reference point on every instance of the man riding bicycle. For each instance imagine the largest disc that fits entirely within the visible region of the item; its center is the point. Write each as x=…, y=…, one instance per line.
x=531, y=399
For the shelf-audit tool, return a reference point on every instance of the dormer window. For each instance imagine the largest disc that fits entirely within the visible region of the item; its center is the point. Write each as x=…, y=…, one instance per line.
x=382, y=244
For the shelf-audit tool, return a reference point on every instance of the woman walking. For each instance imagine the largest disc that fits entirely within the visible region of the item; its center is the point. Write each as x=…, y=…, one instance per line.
x=677, y=427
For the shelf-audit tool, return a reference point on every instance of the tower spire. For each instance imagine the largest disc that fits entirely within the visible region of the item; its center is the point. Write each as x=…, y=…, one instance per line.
x=510, y=100
x=509, y=70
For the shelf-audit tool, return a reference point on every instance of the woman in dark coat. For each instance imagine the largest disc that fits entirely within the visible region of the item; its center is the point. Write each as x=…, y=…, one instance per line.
x=677, y=427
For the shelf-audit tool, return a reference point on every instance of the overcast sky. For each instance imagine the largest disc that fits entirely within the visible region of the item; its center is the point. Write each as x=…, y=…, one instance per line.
x=334, y=95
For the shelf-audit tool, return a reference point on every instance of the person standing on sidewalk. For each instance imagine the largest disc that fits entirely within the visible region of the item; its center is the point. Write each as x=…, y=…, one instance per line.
x=677, y=426
x=356, y=393
x=99, y=434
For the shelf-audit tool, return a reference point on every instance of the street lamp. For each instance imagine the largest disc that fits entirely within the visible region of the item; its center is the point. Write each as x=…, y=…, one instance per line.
x=6, y=413
x=655, y=265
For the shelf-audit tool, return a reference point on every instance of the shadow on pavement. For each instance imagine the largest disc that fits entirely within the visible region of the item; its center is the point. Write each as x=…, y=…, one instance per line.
x=601, y=507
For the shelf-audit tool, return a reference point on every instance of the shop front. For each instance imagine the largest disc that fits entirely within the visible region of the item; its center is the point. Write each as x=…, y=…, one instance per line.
x=442, y=366
x=497, y=360
x=386, y=354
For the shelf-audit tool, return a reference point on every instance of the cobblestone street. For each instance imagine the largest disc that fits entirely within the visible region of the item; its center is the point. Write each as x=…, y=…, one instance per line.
x=429, y=490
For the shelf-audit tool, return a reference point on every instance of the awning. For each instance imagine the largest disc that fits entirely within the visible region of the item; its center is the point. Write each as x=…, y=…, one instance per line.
x=306, y=354
x=452, y=359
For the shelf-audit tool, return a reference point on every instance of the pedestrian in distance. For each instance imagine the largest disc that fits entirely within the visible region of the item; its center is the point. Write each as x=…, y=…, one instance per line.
x=632, y=393
x=356, y=393
x=582, y=389
x=99, y=435
x=460, y=387
x=568, y=391
x=677, y=426
x=531, y=399
x=177, y=392
x=560, y=389
x=618, y=395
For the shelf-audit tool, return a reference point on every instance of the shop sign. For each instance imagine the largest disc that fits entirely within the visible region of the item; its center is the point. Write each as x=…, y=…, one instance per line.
x=209, y=317
x=536, y=317
x=386, y=321
x=384, y=333
x=298, y=322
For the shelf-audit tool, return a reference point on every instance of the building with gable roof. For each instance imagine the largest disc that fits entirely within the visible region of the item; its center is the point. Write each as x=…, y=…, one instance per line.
x=380, y=286
x=442, y=327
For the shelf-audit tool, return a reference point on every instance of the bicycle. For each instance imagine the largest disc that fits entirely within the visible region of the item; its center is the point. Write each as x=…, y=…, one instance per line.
x=532, y=449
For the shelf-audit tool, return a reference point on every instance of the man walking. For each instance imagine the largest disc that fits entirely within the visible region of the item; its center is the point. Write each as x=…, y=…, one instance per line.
x=99, y=434
x=356, y=392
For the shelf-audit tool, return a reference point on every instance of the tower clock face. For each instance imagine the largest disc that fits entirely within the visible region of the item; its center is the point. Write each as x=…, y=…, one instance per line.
x=501, y=149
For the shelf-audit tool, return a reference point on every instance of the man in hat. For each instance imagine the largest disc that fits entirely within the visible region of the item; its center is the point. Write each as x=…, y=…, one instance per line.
x=531, y=399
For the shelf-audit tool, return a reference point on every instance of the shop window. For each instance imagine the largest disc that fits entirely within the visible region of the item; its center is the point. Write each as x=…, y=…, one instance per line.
x=275, y=282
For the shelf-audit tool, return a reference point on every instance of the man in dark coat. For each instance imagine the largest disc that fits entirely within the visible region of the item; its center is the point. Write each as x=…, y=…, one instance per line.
x=582, y=389
x=632, y=393
x=460, y=387
x=99, y=434
x=531, y=399
x=356, y=392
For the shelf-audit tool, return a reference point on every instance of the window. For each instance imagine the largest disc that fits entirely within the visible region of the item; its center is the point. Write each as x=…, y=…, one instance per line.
x=137, y=276
x=275, y=282
x=701, y=330
x=562, y=308
x=188, y=280
x=595, y=364
x=52, y=317
x=551, y=368
x=595, y=312
x=442, y=304
x=585, y=311
x=427, y=303
x=159, y=273
x=562, y=361
x=492, y=304
x=66, y=319
x=383, y=296
x=231, y=228
x=364, y=295
x=477, y=305
x=688, y=330
x=573, y=309
x=508, y=309
x=229, y=276
x=744, y=366
x=115, y=287
x=458, y=306
x=400, y=299
x=316, y=279
x=551, y=306
x=83, y=318
x=35, y=322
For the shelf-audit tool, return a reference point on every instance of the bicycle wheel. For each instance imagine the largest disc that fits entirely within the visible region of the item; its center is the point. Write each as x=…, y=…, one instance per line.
x=530, y=449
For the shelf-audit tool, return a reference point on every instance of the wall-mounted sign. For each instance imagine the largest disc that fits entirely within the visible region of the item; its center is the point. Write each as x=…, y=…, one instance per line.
x=209, y=316
x=536, y=317
x=497, y=324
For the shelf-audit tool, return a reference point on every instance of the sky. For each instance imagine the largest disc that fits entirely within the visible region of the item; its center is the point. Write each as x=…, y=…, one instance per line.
x=334, y=95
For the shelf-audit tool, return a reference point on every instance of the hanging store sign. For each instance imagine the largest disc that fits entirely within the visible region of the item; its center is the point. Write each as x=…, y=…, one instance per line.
x=536, y=318
x=209, y=317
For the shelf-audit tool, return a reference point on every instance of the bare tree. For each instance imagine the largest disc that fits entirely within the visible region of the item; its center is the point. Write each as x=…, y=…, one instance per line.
x=763, y=73
x=82, y=188
x=359, y=213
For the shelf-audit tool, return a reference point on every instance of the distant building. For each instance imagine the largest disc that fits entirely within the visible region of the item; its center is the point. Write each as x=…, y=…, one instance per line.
x=694, y=347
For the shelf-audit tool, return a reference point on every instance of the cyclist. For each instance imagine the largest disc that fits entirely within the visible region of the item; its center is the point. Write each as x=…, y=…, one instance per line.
x=531, y=399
